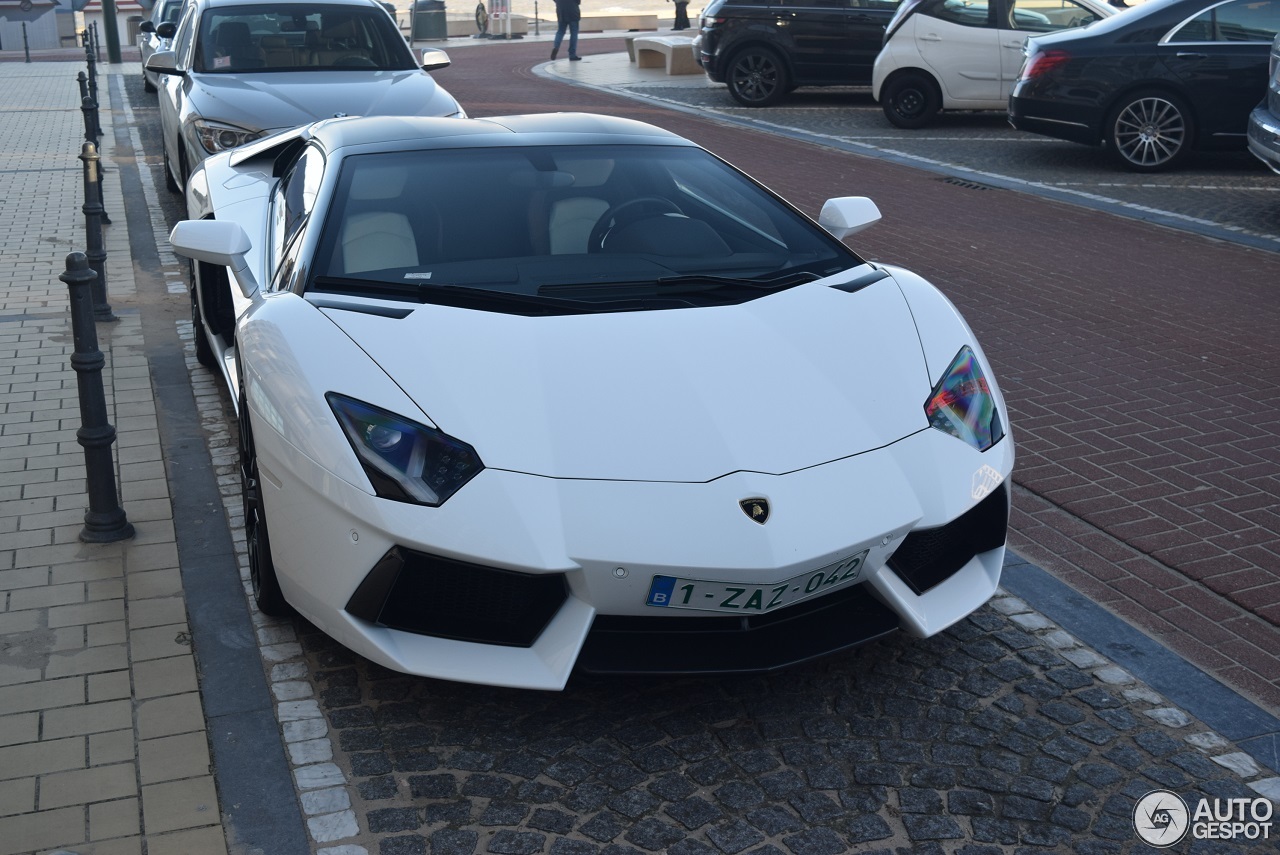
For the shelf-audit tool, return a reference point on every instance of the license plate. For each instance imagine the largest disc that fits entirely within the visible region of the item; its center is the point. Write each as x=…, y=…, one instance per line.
x=676, y=593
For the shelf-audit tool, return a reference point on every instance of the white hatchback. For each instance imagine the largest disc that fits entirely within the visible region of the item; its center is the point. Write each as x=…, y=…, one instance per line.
x=963, y=54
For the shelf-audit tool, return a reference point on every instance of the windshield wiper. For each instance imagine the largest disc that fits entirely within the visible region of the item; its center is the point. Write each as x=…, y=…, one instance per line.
x=689, y=282
x=465, y=297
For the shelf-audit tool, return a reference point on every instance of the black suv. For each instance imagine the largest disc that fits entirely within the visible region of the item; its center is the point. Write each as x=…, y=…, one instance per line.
x=765, y=48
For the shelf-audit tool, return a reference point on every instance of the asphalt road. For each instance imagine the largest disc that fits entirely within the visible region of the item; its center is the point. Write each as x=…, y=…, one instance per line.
x=1228, y=191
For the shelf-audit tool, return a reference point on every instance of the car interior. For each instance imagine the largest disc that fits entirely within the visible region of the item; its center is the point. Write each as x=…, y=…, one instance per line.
x=254, y=38
x=517, y=219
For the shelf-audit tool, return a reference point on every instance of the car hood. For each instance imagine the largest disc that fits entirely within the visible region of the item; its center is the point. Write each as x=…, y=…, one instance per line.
x=286, y=99
x=792, y=380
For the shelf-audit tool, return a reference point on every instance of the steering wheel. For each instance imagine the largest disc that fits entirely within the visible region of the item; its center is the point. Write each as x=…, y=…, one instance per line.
x=355, y=61
x=625, y=213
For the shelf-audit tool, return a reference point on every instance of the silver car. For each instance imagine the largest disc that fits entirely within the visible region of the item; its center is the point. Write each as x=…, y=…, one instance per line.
x=242, y=70
x=1264, y=121
x=154, y=36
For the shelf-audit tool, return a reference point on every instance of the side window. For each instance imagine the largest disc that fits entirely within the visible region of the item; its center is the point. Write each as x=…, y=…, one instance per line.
x=1043, y=16
x=182, y=38
x=1239, y=21
x=963, y=12
x=291, y=204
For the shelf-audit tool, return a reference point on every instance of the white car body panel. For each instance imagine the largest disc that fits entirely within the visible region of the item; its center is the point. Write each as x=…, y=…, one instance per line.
x=664, y=396
x=975, y=67
x=617, y=446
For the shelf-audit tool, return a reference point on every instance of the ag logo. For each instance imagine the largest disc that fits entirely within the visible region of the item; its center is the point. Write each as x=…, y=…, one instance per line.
x=757, y=510
x=1160, y=818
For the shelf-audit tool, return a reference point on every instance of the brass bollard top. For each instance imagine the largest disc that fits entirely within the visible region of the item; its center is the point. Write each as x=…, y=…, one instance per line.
x=89, y=154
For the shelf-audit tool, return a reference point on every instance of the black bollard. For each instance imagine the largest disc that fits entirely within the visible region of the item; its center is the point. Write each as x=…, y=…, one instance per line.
x=90, y=112
x=92, y=62
x=92, y=208
x=26, y=48
x=104, y=521
x=93, y=130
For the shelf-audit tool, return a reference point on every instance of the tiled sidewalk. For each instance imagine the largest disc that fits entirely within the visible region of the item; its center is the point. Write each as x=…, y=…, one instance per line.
x=102, y=735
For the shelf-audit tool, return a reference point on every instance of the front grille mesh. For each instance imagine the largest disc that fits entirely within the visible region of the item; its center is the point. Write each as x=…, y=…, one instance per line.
x=430, y=595
x=930, y=556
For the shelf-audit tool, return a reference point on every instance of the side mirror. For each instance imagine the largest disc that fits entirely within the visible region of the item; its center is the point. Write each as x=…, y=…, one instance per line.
x=146, y=27
x=163, y=62
x=847, y=215
x=217, y=242
x=165, y=30
x=433, y=59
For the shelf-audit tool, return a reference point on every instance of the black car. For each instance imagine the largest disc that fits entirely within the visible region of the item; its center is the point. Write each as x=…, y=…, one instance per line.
x=765, y=48
x=1151, y=83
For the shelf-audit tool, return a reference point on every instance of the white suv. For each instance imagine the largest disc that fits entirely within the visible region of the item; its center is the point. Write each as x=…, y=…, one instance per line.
x=963, y=54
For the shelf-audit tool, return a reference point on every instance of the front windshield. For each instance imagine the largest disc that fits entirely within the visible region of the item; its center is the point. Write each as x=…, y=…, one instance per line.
x=268, y=37
x=588, y=223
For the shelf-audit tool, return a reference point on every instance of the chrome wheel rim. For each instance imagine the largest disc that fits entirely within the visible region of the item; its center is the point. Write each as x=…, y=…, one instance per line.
x=1150, y=131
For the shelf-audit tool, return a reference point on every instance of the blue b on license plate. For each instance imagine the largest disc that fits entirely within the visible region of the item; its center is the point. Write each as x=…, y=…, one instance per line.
x=677, y=593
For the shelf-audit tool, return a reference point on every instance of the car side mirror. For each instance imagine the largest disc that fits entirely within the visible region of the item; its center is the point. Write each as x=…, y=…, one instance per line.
x=847, y=215
x=163, y=62
x=165, y=30
x=217, y=242
x=146, y=27
x=433, y=59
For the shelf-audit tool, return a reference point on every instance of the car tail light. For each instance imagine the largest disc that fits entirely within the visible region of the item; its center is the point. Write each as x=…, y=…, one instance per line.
x=1042, y=62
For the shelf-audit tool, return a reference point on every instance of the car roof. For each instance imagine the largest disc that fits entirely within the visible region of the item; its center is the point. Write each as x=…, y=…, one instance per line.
x=412, y=132
x=372, y=134
x=214, y=4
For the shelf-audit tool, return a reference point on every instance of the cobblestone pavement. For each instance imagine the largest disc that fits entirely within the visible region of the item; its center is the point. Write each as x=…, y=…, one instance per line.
x=1002, y=735
x=986, y=739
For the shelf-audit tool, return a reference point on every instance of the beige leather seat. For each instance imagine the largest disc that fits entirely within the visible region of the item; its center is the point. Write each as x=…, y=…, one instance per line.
x=377, y=235
x=378, y=240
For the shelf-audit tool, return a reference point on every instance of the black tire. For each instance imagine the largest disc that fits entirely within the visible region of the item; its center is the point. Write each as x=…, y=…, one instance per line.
x=757, y=77
x=204, y=353
x=910, y=100
x=1150, y=131
x=147, y=85
x=184, y=168
x=262, y=570
x=169, y=180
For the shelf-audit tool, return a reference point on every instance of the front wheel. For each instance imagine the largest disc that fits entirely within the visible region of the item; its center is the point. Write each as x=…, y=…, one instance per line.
x=147, y=85
x=262, y=570
x=169, y=181
x=204, y=353
x=757, y=77
x=910, y=101
x=1150, y=131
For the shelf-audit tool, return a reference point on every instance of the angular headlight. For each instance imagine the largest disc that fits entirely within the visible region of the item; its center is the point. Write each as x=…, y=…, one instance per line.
x=405, y=461
x=216, y=136
x=962, y=405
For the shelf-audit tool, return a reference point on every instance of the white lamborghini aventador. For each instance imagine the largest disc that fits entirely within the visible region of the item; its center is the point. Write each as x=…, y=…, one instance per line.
x=528, y=394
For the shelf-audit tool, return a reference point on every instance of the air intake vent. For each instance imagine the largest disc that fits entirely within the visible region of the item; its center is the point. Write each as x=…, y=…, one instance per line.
x=429, y=595
x=930, y=556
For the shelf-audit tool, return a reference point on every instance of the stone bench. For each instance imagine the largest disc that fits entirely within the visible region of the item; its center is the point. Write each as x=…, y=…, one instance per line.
x=603, y=23
x=675, y=54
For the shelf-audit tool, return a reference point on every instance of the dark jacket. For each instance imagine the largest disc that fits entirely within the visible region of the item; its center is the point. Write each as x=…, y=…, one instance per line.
x=568, y=10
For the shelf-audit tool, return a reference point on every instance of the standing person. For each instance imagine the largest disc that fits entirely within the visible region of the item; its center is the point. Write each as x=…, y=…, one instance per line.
x=682, y=15
x=568, y=14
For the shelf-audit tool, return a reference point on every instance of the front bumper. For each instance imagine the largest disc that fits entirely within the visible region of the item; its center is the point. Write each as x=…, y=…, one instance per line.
x=1264, y=137
x=591, y=549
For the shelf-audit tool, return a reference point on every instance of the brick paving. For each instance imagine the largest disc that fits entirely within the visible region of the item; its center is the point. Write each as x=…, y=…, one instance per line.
x=1140, y=365
x=102, y=736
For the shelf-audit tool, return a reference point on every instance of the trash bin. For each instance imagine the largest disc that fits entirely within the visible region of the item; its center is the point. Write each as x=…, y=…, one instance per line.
x=429, y=21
